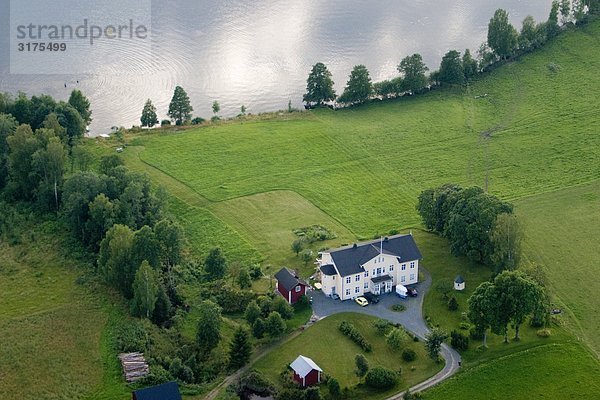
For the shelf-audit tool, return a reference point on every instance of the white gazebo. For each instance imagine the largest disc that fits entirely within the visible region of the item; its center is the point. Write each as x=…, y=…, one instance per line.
x=459, y=283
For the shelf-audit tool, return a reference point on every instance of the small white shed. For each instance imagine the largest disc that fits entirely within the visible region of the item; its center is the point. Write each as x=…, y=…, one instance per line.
x=459, y=283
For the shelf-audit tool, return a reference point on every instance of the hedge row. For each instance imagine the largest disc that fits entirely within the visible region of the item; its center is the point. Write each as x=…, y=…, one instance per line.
x=349, y=330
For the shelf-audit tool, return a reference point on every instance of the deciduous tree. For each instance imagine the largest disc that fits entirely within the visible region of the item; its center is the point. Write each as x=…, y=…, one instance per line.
x=358, y=88
x=82, y=105
x=451, y=69
x=362, y=365
x=413, y=70
x=215, y=264
x=502, y=36
x=145, y=291
x=319, y=85
x=433, y=343
x=506, y=241
x=209, y=326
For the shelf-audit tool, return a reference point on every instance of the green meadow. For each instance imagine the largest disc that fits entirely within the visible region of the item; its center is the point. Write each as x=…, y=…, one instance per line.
x=55, y=324
x=529, y=131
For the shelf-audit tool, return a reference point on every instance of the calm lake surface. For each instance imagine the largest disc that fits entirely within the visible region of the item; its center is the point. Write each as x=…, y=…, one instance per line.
x=259, y=53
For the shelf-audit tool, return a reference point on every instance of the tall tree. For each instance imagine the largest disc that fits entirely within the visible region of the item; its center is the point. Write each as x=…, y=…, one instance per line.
x=319, y=85
x=215, y=264
x=171, y=237
x=102, y=215
x=114, y=259
x=469, y=64
x=528, y=36
x=71, y=120
x=501, y=36
x=149, y=117
x=552, y=25
x=275, y=325
x=180, y=109
x=506, y=241
x=252, y=312
x=433, y=343
x=208, y=333
x=482, y=308
x=146, y=247
x=413, y=70
x=216, y=107
x=451, y=69
x=240, y=348
x=82, y=105
x=8, y=125
x=565, y=11
x=22, y=178
x=51, y=122
x=519, y=296
x=145, y=291
x=358, y=88
x=50, y=165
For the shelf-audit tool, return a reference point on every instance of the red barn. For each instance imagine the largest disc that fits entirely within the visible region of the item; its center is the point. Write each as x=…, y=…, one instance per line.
x=290, y=286
x=306, y=372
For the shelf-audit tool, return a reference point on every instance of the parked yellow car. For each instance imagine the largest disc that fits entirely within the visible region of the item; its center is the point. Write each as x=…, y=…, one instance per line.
x=361, y=301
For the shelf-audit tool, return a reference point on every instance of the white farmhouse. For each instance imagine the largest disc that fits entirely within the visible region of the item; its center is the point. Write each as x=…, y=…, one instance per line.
x=375, y=266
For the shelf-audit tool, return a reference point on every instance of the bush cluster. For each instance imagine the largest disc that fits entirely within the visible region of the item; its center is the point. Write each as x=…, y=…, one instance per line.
x=459, y=341
x=409, y=355
x=349, y=330
x=381, y=378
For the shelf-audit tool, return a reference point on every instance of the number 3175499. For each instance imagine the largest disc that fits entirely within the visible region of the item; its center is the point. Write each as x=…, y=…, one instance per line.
x=35, y=46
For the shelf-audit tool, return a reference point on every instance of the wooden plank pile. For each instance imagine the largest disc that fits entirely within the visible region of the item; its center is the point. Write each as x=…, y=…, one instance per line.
x=134, y=366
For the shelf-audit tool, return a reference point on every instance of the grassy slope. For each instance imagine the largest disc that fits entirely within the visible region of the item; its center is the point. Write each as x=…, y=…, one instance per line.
x=562, y=234
x=547, y=372
x=52, y=331
x=323, y=339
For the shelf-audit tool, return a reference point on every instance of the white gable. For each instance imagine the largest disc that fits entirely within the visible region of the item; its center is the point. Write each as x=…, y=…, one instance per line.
x=303, y=365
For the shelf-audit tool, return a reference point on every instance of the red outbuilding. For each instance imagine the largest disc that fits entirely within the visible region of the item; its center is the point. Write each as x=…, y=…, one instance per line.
x=306, y=371
x=290, y=286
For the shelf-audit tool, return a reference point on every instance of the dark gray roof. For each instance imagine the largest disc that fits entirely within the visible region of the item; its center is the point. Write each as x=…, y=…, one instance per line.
x=348, y=260
x=459, y=279
x=166, y=391
x=288, y=278
x=328, y=269
x=381, y=278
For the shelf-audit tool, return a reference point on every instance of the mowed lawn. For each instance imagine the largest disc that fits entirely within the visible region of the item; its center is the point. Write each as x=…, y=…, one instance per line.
x=53, y=342
x=558, y=371
x=562, y=233
x=335, y=353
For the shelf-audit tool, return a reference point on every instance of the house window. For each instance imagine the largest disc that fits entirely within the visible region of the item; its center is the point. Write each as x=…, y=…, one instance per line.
x=366, y=286
x=357, y=278
x=357, y=289
x=412, y=277
x=366, y=274
x=347, y=292
x=348, y=279
x=383, y=270
x=375, y=261
x=412, y=265
x=298, y=288
x=403, y=278
x=378, y=271
x=391, y=268
x=403, y=267
x=374, y=273
x=334, y=277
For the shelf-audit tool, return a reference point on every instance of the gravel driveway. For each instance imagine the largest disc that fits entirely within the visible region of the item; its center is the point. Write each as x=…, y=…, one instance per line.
x=411, y=319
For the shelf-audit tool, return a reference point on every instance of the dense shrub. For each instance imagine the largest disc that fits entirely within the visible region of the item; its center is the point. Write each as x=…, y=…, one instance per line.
x=132, y=337
x=255, y=272
x=381, y=378
x=398, y=307
x=465, y=326
x=476, y=333
x=459, y=341
x=382, y=326
x=232, y=299
x=165, y=122
x=156, y=376
x=396, y=338
x=409, y=355
x=544, y=333
x=349, y=330
x=198, y=121
x=334, y=388
x=452, y=304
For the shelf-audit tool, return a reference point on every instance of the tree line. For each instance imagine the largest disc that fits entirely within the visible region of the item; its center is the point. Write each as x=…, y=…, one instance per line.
x=503, y=42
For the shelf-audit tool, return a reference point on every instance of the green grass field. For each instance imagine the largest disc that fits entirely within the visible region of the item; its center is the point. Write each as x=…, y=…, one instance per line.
x=561, y=231
x=54, y=335
x=323, y=339
x=559, y=371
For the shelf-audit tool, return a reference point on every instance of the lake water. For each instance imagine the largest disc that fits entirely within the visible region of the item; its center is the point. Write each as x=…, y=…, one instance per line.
x=259, y=53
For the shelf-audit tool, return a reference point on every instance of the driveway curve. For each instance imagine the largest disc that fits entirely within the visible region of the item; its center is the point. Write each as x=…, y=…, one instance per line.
x=411, y=319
